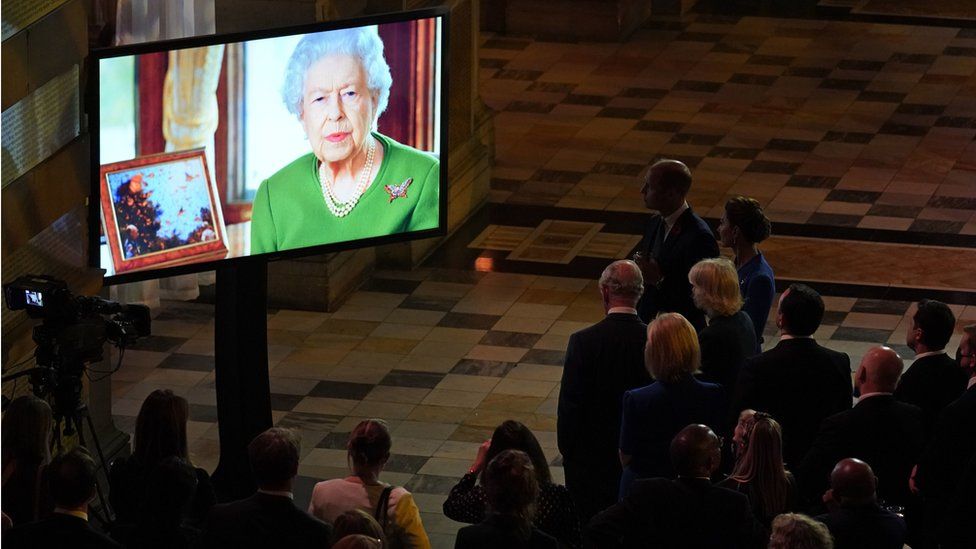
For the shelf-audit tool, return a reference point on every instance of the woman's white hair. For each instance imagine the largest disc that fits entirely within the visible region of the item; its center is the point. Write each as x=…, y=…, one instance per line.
x=363, y=43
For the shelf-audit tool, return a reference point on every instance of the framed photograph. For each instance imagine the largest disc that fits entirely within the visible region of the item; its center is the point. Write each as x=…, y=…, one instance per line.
x=161, y=210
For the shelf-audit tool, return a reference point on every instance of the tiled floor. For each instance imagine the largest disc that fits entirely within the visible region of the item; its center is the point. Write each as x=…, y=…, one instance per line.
x=858, y=138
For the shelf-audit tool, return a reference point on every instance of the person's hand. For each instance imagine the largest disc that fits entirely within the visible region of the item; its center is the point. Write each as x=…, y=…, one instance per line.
x=911, y=481
x=649, y=268
x=479, y=460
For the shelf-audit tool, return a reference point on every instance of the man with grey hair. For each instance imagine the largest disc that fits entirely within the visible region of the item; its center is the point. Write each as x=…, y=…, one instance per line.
x=602, y=362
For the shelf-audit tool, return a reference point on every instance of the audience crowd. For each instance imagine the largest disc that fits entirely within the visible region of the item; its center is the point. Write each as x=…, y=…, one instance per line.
x=680, y=432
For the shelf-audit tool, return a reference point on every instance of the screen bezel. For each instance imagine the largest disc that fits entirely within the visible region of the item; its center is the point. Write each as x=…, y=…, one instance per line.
x=94, y=212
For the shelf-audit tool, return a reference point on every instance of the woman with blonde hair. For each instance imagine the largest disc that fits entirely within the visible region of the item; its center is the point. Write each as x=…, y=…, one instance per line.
x=759, y=472
x=796, y=531
x=728, y=337
x=654, y=414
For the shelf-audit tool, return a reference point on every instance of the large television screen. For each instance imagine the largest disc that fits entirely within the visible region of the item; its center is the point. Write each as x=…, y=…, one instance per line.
x=256, y=146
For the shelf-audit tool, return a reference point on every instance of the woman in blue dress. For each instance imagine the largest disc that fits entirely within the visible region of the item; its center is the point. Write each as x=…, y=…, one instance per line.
x=743, y=227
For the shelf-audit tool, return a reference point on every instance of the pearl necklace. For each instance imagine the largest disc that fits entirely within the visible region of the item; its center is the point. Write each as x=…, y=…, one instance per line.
x=342, y=209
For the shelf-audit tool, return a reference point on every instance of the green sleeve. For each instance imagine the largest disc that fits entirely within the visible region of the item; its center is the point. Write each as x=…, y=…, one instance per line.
x=426, y=214
x=262, y=223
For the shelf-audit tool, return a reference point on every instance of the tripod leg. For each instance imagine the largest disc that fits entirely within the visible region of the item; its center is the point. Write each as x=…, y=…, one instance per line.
x=107, y=517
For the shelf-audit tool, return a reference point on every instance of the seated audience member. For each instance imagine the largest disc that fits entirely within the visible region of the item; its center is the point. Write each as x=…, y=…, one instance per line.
x=512, y=490
x=728, y=338
x=160, y=434
x=602, y=361
x=358, y=541
x=747, y=418
x=855, y=519
x=759, y=471
x=394, y=508
x=169, y=491
x=946, y=475
x=269, y=518
x=878, y=429
x=26, y=433
x=71, y=479
x=743, y=227
x=555, y=513
x=798, y=382
x=796, y=531
x=357, y=521
x=689, y=512
x=652, y=415
x=934, y=379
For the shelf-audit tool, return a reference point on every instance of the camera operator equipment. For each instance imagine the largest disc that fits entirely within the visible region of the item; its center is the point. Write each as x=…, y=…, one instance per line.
x=72, y=335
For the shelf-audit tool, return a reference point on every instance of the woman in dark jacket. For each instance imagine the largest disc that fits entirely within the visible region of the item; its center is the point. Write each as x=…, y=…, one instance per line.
x=27, y=430
x=555, y=512
x=728, y=339
x=511, y=491
x=160, y=434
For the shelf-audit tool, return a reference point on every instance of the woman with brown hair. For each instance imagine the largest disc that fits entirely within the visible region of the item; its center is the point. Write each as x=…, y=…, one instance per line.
x=759, y=472
x=27, y=430
x=555, y=511
x=160, y=434
x=368, y=450
x=512, y=490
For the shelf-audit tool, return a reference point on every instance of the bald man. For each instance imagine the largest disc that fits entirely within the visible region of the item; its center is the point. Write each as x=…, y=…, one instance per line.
x=878, y=430
x=602, y=362
x=855, y=520
x=687, y=512
x=675, y=239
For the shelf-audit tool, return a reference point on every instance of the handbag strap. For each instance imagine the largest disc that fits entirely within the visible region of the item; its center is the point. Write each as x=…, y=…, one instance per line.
x=382, y=507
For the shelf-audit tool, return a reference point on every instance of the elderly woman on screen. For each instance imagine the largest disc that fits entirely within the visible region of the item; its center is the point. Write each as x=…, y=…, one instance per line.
x=356, y=183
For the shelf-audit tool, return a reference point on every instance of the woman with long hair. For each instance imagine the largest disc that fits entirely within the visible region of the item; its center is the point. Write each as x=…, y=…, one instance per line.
x=160, y=434
x=27, y=431
x=368, y=450
x=555, y=513
x=759, y=472
x=512, y=490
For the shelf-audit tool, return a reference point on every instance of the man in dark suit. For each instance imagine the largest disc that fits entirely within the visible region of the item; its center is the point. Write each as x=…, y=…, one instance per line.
x=269, y=518
x=689, y=512
x=602, y=362
x=934, y=379
x=674, y=241
x=71, y=479
x=798, y=382
x=878, y=430
x=855, y=520
x=947, y=469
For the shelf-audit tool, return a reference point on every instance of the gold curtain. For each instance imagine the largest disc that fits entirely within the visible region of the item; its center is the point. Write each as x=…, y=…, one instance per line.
x=190, y=97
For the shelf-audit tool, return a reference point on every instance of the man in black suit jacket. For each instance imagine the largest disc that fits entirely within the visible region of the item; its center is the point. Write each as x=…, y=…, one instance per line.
x=947, y=469
x=878, y=430
x=855, y=520
x=71, y=478
x=798, y=382
x=269, y=518
x=602, y=362
x=934, y=379
x=689, y=512
x=674, y=241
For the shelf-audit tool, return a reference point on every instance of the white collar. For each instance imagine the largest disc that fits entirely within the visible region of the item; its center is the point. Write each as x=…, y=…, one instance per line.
x=673, y=218
x=930, y=353
x=281, y=493
x=623, y=310
x=869, y=395
x=785, y=337
x=972, y=381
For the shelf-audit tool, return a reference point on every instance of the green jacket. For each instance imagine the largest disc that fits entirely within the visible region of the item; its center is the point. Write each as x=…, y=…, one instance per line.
x=289, y=211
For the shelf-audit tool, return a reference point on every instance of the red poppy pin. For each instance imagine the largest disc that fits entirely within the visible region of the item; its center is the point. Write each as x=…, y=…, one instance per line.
x=398, y=191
